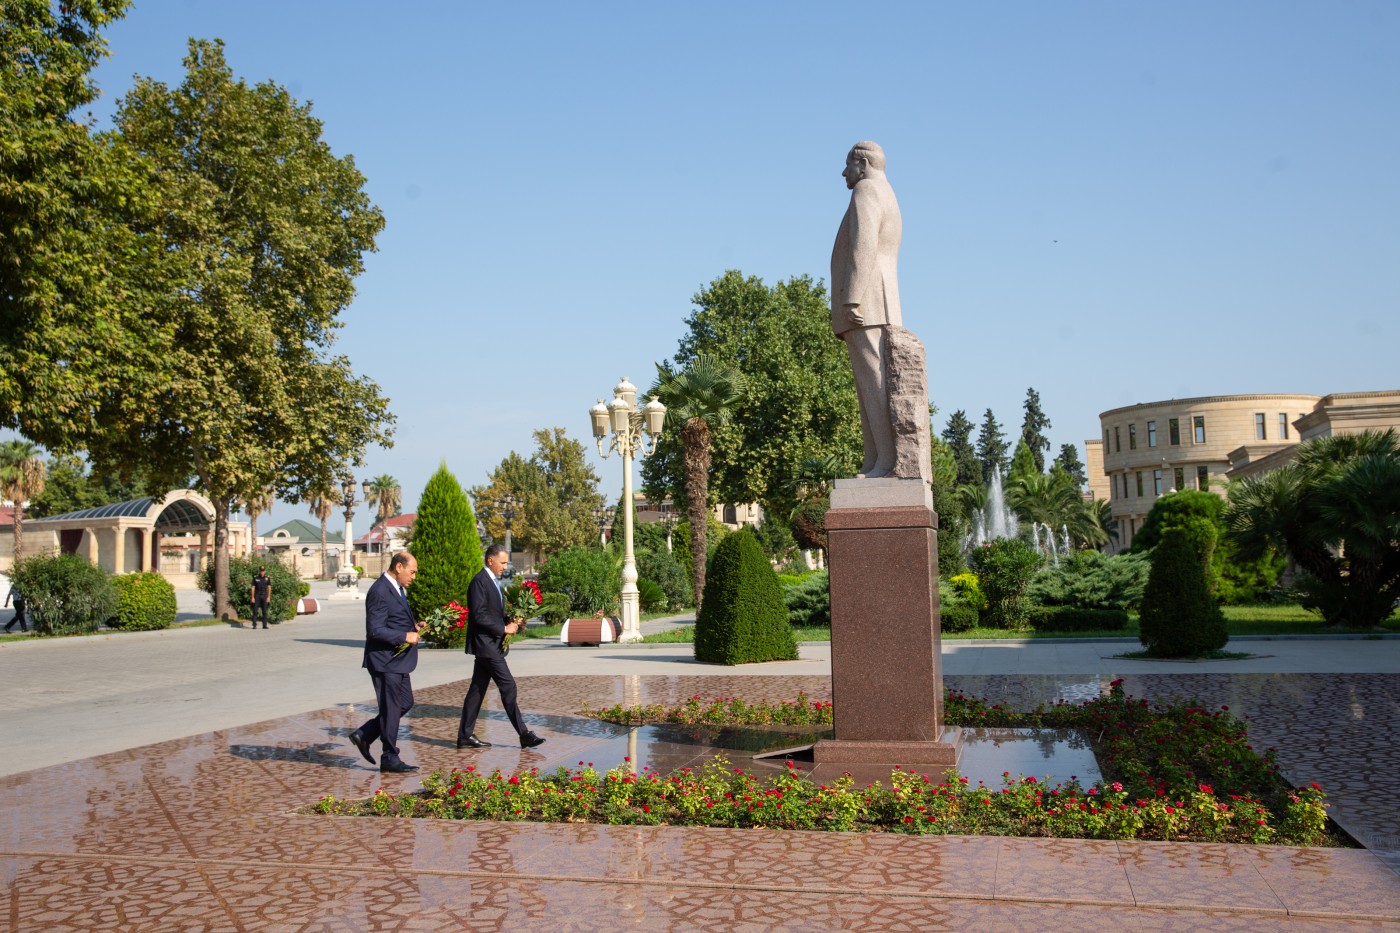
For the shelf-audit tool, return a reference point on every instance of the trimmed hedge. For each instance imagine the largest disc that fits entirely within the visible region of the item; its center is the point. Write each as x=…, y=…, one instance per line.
x=958, y=618
x=743, y=618
x=445, y=544
x=1179, y=616
x=1072, y=619
x=145, y=602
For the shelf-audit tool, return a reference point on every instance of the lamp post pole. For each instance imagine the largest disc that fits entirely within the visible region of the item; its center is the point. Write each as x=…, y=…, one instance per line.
x=347, y=492
x=628, y=424
x=507, y=505
x=603, y=515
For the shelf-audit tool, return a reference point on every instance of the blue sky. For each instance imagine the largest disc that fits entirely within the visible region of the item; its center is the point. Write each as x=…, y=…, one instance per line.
x=1111, y=202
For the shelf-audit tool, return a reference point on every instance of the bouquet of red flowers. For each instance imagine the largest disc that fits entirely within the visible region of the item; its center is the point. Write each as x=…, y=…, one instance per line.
x=523, y=601
x=438, y=626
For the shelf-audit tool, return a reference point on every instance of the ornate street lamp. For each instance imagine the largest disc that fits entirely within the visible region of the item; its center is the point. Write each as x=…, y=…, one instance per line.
x=347, y=494
x=628, y=424
x=603, y=515
x=506, y=506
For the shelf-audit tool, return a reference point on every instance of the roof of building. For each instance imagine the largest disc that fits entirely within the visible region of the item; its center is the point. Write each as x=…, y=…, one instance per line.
x=300, y=530
x=180, y=512
x=376, y=535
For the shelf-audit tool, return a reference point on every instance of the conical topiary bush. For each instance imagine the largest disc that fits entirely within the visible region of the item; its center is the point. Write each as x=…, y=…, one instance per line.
x=446, y=545
x=1179, y=617
x=743, y=617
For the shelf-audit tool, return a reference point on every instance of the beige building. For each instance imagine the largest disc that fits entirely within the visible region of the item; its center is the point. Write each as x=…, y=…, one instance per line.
x=1151, y=449
x=173, y=535
x=1335, y=414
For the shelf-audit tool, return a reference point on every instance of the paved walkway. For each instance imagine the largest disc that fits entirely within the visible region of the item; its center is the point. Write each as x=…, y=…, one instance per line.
x=101, y=830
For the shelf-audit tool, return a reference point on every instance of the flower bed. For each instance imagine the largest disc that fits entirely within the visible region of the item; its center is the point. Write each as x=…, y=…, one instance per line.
x=1170, y=772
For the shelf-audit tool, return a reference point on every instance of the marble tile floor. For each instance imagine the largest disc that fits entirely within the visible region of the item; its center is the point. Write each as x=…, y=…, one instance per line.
x=199, y=833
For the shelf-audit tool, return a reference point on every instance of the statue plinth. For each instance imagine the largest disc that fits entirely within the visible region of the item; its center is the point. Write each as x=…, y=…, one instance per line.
x=886, y=651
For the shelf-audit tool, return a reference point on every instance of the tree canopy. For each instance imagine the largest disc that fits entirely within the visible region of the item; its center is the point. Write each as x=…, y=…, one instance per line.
x=557, y=488
x=991, y=447
x=1033, y=428
x=800, y=398
x=958, y=435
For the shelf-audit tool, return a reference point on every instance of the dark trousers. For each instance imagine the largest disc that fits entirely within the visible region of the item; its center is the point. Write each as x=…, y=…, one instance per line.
x=394, y=694
x=19, y=618
x=485, y=671
x=260, y=604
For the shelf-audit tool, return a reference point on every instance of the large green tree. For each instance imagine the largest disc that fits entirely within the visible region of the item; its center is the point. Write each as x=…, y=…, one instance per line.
x=991, y=447
x=78, y=274
x=958, y=436
x=700, y=400
x=557, y=489
x=1335, y=509
x=1068, y=460
x=263, y=230
x=801, y=398
x=1033, y=427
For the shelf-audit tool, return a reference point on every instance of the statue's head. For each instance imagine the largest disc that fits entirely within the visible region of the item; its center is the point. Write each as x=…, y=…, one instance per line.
x=863, y=158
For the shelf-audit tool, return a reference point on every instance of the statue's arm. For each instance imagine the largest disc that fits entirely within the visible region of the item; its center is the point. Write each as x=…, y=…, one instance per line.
x=865, y=237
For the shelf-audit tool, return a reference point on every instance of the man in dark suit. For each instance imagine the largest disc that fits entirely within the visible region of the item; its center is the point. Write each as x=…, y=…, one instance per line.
x=389, y=624
x=486, y=629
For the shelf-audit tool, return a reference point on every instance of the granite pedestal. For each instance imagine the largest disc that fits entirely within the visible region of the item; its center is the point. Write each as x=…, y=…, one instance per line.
x=886, y=661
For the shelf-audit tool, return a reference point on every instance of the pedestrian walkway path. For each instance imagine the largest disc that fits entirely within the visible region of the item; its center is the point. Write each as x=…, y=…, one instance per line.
x=201, y=833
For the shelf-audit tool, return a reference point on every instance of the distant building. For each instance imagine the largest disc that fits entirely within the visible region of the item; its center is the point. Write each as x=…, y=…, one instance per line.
x=298, y=544
x=732, y=517
x=1336, y=414
x=387, y=536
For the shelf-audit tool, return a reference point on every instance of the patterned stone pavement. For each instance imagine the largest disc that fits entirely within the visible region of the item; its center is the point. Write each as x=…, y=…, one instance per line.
x=199, y=834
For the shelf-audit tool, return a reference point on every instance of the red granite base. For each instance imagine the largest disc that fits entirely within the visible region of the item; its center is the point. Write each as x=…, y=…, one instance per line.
x=944, y=754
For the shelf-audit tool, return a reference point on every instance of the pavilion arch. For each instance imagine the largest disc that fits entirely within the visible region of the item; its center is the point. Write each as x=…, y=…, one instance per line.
x=172, y=534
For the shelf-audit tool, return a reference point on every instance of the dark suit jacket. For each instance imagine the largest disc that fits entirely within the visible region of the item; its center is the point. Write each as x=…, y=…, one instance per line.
x=387, y=620
x=486, y=618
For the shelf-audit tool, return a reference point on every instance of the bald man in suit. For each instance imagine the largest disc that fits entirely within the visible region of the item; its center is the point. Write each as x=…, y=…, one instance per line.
x=865, y=295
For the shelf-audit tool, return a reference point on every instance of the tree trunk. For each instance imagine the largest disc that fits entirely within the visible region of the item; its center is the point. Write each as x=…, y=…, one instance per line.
x=223, y=606
x=324, y=574
x=19, y=529
x=695, y=442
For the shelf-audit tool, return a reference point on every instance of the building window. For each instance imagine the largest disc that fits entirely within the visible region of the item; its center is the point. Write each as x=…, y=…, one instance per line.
x=1260, y=434
x=1117, y=439
x=1156, y=482
x=1203, y=479
x=1283, y=425
x=1198, y=425
x=1151, y=434
x=1139, y=482
x=1180, y=477
x=1174, y=431
x=1132, y=437
x=1105, y=440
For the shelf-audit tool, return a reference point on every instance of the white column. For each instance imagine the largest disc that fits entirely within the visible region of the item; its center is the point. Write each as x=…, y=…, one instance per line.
x=631, y=599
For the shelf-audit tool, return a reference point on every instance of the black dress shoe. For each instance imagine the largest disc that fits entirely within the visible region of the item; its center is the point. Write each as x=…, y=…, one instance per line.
x=530, y=740
x=359, y=742
x=472, y=741
x=396, y=767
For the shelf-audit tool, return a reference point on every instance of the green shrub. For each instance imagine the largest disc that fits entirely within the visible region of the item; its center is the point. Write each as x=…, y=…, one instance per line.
x=445, y=544
x=650, y=595
x=587, y=576
x=303, y=589
x=662, y=568
x=957, y=618
x=1074, y=619
x=64, y=593
x=145, y=602
x=1092, y=580
x=285, y=585
x=743, y=618
x=968, y=590
x=1005, y=568
x=1179, y=617
x=554, y=610
x=1233, y=578
x=786, y=579
x=809, y=600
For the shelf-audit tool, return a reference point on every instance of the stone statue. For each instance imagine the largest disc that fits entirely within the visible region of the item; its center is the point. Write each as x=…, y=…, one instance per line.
x=865, y=296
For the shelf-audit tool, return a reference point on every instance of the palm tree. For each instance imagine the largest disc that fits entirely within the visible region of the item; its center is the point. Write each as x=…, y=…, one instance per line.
x=21, y=479
x=811, y=489
x=698, y=399
x=255, y=506
x=323, y=502
x=1336, y=511
x=385, y=496
x=1053, y=499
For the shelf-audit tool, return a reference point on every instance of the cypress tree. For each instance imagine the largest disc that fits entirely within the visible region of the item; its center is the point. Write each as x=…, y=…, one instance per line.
x=743, y=617
x=445, y=543
x=1033, y=428
x=1179, y=616
x=991, y=447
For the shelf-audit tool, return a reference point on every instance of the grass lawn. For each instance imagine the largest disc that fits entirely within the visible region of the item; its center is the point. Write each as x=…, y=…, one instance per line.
x=1240, y=620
